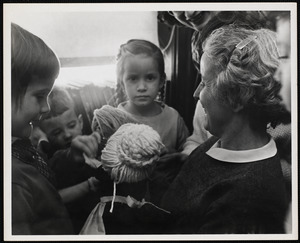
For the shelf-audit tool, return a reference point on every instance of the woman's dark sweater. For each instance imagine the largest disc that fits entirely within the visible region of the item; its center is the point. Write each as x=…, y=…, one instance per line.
x=209, y=196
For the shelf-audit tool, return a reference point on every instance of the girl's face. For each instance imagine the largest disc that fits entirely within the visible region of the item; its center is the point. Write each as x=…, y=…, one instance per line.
x=33, y=105
x=141, y=80
x=217, y=114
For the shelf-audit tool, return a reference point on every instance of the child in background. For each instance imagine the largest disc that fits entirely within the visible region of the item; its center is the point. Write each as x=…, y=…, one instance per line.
x=283, y=74
x=282, y=133
x=75, y=181
x=141, y=74
x=37, y=208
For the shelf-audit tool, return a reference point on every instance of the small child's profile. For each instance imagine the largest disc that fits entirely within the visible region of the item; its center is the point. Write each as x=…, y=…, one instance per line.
x=37, y=208
x=61, y=124
x=75, y=179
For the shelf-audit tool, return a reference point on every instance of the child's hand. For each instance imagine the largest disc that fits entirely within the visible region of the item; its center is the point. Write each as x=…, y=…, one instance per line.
x=94, y=184
x=87, y=144
x=170, y=158
x=169, y=166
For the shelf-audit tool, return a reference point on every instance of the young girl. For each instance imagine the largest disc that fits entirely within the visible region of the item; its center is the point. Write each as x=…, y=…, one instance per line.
x=37, y=208
x=36, y=205
x=141, y=74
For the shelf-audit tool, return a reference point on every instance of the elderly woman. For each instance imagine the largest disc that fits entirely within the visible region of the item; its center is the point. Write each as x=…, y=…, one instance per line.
x=233, y=182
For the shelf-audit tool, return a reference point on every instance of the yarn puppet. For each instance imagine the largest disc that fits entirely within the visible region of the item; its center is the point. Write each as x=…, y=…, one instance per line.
x=106, y=122
x=129, y=155
x=108, y=119
x=129, y=150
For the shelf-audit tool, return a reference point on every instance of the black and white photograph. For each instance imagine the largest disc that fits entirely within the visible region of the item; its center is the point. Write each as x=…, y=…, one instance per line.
x=150, y=121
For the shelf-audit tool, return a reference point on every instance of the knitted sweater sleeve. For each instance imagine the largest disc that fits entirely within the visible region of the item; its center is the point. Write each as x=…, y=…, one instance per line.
x=22, y=213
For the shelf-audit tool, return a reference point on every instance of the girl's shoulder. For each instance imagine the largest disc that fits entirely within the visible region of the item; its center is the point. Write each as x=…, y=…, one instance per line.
x=122, y=105
x=24, y=175
x=168, y=109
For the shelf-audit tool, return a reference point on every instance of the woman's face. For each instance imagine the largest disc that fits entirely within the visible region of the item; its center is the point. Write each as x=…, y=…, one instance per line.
x=217, y=114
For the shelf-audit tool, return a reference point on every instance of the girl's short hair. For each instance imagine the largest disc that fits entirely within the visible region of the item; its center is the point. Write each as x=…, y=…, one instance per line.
x=138, y=47
x=245, y=72
x=30, y=56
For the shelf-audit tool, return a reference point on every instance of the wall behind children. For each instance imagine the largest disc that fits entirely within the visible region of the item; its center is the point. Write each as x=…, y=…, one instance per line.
x=86, y=40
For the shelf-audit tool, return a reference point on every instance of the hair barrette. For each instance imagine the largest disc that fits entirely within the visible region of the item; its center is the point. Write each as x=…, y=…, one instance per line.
x=245, y=42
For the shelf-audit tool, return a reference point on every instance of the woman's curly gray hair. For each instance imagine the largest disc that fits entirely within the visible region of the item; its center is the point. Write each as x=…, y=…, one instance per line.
x=245, y=74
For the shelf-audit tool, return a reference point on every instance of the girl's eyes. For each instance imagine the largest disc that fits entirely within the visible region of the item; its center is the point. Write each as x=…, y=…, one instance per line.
x=131, y=79
x=150, y=77
x=41, y=97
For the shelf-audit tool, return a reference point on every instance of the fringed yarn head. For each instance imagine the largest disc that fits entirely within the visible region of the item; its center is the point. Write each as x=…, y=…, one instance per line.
x=131, y=153
x=108, y=119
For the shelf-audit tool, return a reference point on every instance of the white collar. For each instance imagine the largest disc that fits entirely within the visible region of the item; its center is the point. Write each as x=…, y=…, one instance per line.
x=243, y=156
